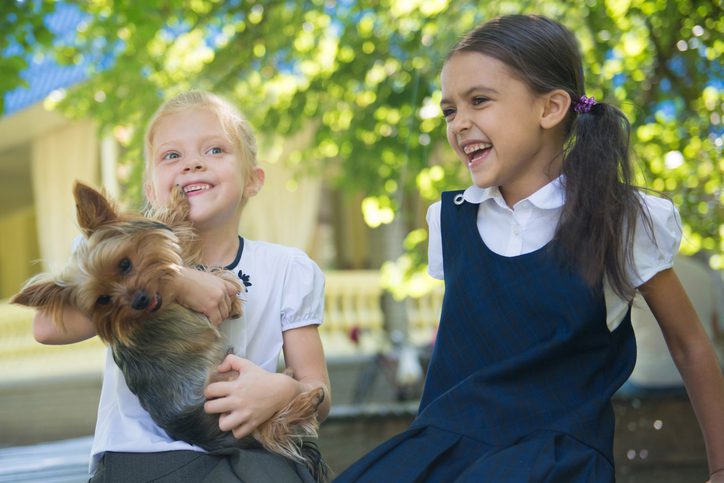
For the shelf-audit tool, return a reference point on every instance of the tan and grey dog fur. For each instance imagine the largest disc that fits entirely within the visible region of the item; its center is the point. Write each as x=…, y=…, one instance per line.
x=119, y=277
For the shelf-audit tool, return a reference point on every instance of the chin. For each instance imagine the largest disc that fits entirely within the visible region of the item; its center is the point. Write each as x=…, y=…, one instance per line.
x=197, y=216
x=483, y=181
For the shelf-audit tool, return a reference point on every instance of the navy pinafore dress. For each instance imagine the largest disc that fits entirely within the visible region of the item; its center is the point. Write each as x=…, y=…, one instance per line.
x=522, y=373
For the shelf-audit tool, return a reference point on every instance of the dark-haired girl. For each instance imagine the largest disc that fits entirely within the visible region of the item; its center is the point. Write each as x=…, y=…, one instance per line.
x=541, y=258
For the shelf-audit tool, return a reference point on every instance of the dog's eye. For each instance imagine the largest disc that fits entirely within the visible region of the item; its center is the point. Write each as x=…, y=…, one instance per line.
x=125, y=265
x=104, y=300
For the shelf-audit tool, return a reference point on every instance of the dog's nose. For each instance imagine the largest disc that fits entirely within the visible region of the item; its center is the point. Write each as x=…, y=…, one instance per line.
x=140, y=300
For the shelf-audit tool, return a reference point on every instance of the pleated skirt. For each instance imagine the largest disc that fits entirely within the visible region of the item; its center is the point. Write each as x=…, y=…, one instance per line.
x=430, y=454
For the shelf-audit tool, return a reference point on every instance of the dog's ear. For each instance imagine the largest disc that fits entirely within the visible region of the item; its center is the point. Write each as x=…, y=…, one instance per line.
x=175, y=215
x=40, y=291
x=176, y=211
x=178, y=206
x=93, y=209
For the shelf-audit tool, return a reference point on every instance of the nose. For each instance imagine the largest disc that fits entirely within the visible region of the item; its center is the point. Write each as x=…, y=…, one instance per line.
x=140, y=300
x=194, y=164
x=460, y=123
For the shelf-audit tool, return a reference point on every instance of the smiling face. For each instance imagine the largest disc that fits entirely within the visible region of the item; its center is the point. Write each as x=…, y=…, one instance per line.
x=190, y=149
x=494, y=125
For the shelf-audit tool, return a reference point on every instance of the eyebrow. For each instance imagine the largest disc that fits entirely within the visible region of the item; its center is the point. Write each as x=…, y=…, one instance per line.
x=206, y=139
x=163, y=146
x=472, y=89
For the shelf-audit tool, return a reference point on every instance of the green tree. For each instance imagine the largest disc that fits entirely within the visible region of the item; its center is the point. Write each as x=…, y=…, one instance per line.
x=25, y=34
x=364, y=73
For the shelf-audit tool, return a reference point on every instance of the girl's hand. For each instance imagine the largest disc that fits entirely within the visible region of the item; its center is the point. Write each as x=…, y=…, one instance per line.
x=204, y=293
x=249, y=400
x=717, y=477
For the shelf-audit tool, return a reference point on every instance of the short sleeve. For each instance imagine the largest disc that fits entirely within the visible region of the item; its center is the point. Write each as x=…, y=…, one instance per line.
x=303, y=292
x=77, y=242
x=654, y=252
x=434, y=242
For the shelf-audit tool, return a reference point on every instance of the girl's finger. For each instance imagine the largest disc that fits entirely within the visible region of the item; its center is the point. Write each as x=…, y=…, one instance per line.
x=243, y=430
x=231, y=289
x=217, y=390
x=232, y=362
x=231, y=422
x=213, y=407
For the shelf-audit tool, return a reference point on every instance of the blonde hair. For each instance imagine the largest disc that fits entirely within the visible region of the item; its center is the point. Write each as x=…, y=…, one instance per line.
x=235, y=126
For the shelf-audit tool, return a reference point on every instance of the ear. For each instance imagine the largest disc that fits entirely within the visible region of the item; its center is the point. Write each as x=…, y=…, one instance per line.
x=556, y=105
x=93, y=209
x=149, y=192
x=176, y=211
x=179, y=203
x=255, y=182
x=45, y=294
x=40, y=293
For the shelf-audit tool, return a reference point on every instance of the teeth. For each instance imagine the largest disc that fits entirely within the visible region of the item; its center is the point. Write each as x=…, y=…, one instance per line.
x=471, y=148
x=196, y=187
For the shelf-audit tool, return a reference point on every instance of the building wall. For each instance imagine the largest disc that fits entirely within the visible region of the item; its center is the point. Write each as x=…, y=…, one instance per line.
x=19, y=254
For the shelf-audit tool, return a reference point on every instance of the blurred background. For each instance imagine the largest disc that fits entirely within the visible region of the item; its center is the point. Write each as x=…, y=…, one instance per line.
x=344, y=98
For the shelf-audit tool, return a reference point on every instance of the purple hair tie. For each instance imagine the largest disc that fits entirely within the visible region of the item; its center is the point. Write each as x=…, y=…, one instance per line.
x=584, y=104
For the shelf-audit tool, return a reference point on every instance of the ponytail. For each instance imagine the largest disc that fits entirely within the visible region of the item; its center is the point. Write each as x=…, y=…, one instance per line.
x=598, y=220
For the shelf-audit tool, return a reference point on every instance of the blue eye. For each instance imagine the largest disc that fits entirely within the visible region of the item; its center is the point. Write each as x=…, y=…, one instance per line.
x=215, y=150
x=171, y=155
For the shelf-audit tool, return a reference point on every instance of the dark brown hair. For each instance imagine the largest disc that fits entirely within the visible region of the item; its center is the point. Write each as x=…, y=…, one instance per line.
x=596, y=229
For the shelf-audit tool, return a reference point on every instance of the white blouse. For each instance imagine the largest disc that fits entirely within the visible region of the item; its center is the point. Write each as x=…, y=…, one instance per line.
x=532, y=222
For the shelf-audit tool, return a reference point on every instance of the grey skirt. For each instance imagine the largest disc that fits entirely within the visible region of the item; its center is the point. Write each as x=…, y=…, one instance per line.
x=234, y=465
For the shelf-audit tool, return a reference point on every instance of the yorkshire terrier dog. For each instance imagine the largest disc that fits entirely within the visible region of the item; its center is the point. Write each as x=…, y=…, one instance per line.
x=119, y=277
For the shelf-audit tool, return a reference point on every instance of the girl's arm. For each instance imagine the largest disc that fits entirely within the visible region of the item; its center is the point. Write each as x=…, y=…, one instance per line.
x=204, y=293
x=304, y=355
x=255, y=395
x=76, y=327
x=694, y=357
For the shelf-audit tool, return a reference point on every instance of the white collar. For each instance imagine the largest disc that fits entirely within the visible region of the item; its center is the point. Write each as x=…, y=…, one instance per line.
x=549, y=196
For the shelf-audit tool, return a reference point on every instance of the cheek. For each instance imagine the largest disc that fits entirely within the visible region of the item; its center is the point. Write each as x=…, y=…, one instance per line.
x=161, y=185
x=453, y=141
x=451, y=138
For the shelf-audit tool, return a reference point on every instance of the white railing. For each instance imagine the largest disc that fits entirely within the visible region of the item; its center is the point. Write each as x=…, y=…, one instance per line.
x=23, y=359
x=353, y=318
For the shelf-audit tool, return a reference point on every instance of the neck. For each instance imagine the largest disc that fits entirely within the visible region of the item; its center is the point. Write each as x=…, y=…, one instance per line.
x=546, y=171
x=218, y=246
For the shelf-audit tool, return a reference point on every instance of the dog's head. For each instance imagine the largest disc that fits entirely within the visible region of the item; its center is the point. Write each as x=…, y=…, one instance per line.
x=119, y=274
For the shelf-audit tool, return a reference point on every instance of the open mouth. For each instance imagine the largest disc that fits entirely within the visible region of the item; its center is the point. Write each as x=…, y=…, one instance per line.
x=193, y=188
x=477, y=151
x=155, y=304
